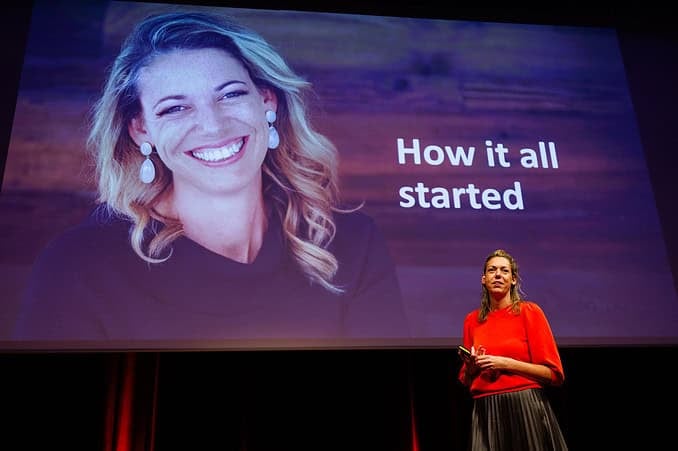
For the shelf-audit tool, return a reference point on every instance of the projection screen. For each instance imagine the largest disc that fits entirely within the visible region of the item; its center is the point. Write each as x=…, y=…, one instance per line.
x=456, y=137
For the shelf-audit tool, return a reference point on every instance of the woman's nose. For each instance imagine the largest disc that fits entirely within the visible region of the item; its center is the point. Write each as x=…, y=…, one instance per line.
x=208, y=118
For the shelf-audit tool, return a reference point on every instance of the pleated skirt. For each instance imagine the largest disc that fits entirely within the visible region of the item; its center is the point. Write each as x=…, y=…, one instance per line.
x=516, y=421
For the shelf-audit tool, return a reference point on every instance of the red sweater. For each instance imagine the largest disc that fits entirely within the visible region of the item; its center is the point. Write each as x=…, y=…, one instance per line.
x=526, y=336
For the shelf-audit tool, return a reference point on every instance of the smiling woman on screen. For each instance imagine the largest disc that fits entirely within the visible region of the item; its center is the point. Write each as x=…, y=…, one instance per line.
x=219, y=215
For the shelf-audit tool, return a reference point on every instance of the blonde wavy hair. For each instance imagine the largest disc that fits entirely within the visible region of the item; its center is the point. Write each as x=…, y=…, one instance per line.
x=517, y=294
x=299, y=177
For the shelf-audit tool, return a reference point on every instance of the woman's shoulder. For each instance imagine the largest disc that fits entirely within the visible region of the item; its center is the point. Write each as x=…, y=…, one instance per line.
x=353, y=221
x=531, y=308
x=101, y=220
x=472, y=316
x=530, y=305
x=356, y=230
x=100, y=230
x=359, y=245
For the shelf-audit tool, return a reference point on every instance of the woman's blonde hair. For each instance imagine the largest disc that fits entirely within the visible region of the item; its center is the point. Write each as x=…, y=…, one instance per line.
x=299, y=177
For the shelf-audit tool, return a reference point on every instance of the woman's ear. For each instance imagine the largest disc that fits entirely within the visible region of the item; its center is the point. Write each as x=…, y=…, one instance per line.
x=137, y=131
x=270, y=99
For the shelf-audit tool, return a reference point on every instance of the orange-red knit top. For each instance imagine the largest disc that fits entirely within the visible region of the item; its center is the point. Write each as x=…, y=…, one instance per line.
x=525, y=336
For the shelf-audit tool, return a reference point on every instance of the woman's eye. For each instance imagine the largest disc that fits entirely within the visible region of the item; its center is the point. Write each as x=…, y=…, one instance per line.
x=172, y=109
x=234, y=94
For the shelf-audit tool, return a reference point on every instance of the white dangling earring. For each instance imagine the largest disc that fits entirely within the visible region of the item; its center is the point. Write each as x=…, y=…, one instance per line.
x=273, y=137
x=147, y=171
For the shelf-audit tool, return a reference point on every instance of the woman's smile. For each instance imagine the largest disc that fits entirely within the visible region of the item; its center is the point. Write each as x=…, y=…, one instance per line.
x=219, y=154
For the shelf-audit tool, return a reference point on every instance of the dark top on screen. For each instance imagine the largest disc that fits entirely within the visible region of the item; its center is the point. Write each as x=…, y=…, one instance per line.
x=88, y=284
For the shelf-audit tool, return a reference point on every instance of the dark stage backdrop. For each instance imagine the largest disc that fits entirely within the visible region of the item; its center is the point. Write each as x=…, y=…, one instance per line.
x=461, y=136
x=362, y=400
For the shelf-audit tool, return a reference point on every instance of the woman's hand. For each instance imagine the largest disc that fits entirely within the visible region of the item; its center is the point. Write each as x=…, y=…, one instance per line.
x=492, y=362
x=472, y=370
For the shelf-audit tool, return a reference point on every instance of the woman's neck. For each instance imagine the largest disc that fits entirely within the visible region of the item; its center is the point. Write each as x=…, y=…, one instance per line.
x=500, y=302
x=231, y=226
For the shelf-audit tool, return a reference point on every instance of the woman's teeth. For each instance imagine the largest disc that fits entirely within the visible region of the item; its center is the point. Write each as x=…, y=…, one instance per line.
x=219, y=154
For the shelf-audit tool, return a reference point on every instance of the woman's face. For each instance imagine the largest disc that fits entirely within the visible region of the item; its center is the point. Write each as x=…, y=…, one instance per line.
x=207, y=120
x=498, y=277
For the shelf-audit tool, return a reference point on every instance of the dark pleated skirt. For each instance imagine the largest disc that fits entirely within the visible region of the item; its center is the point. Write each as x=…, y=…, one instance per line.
x=516, y=421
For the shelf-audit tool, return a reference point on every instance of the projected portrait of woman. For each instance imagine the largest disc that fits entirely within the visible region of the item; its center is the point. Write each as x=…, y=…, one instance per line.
x=219, y=214
x=187, y=176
